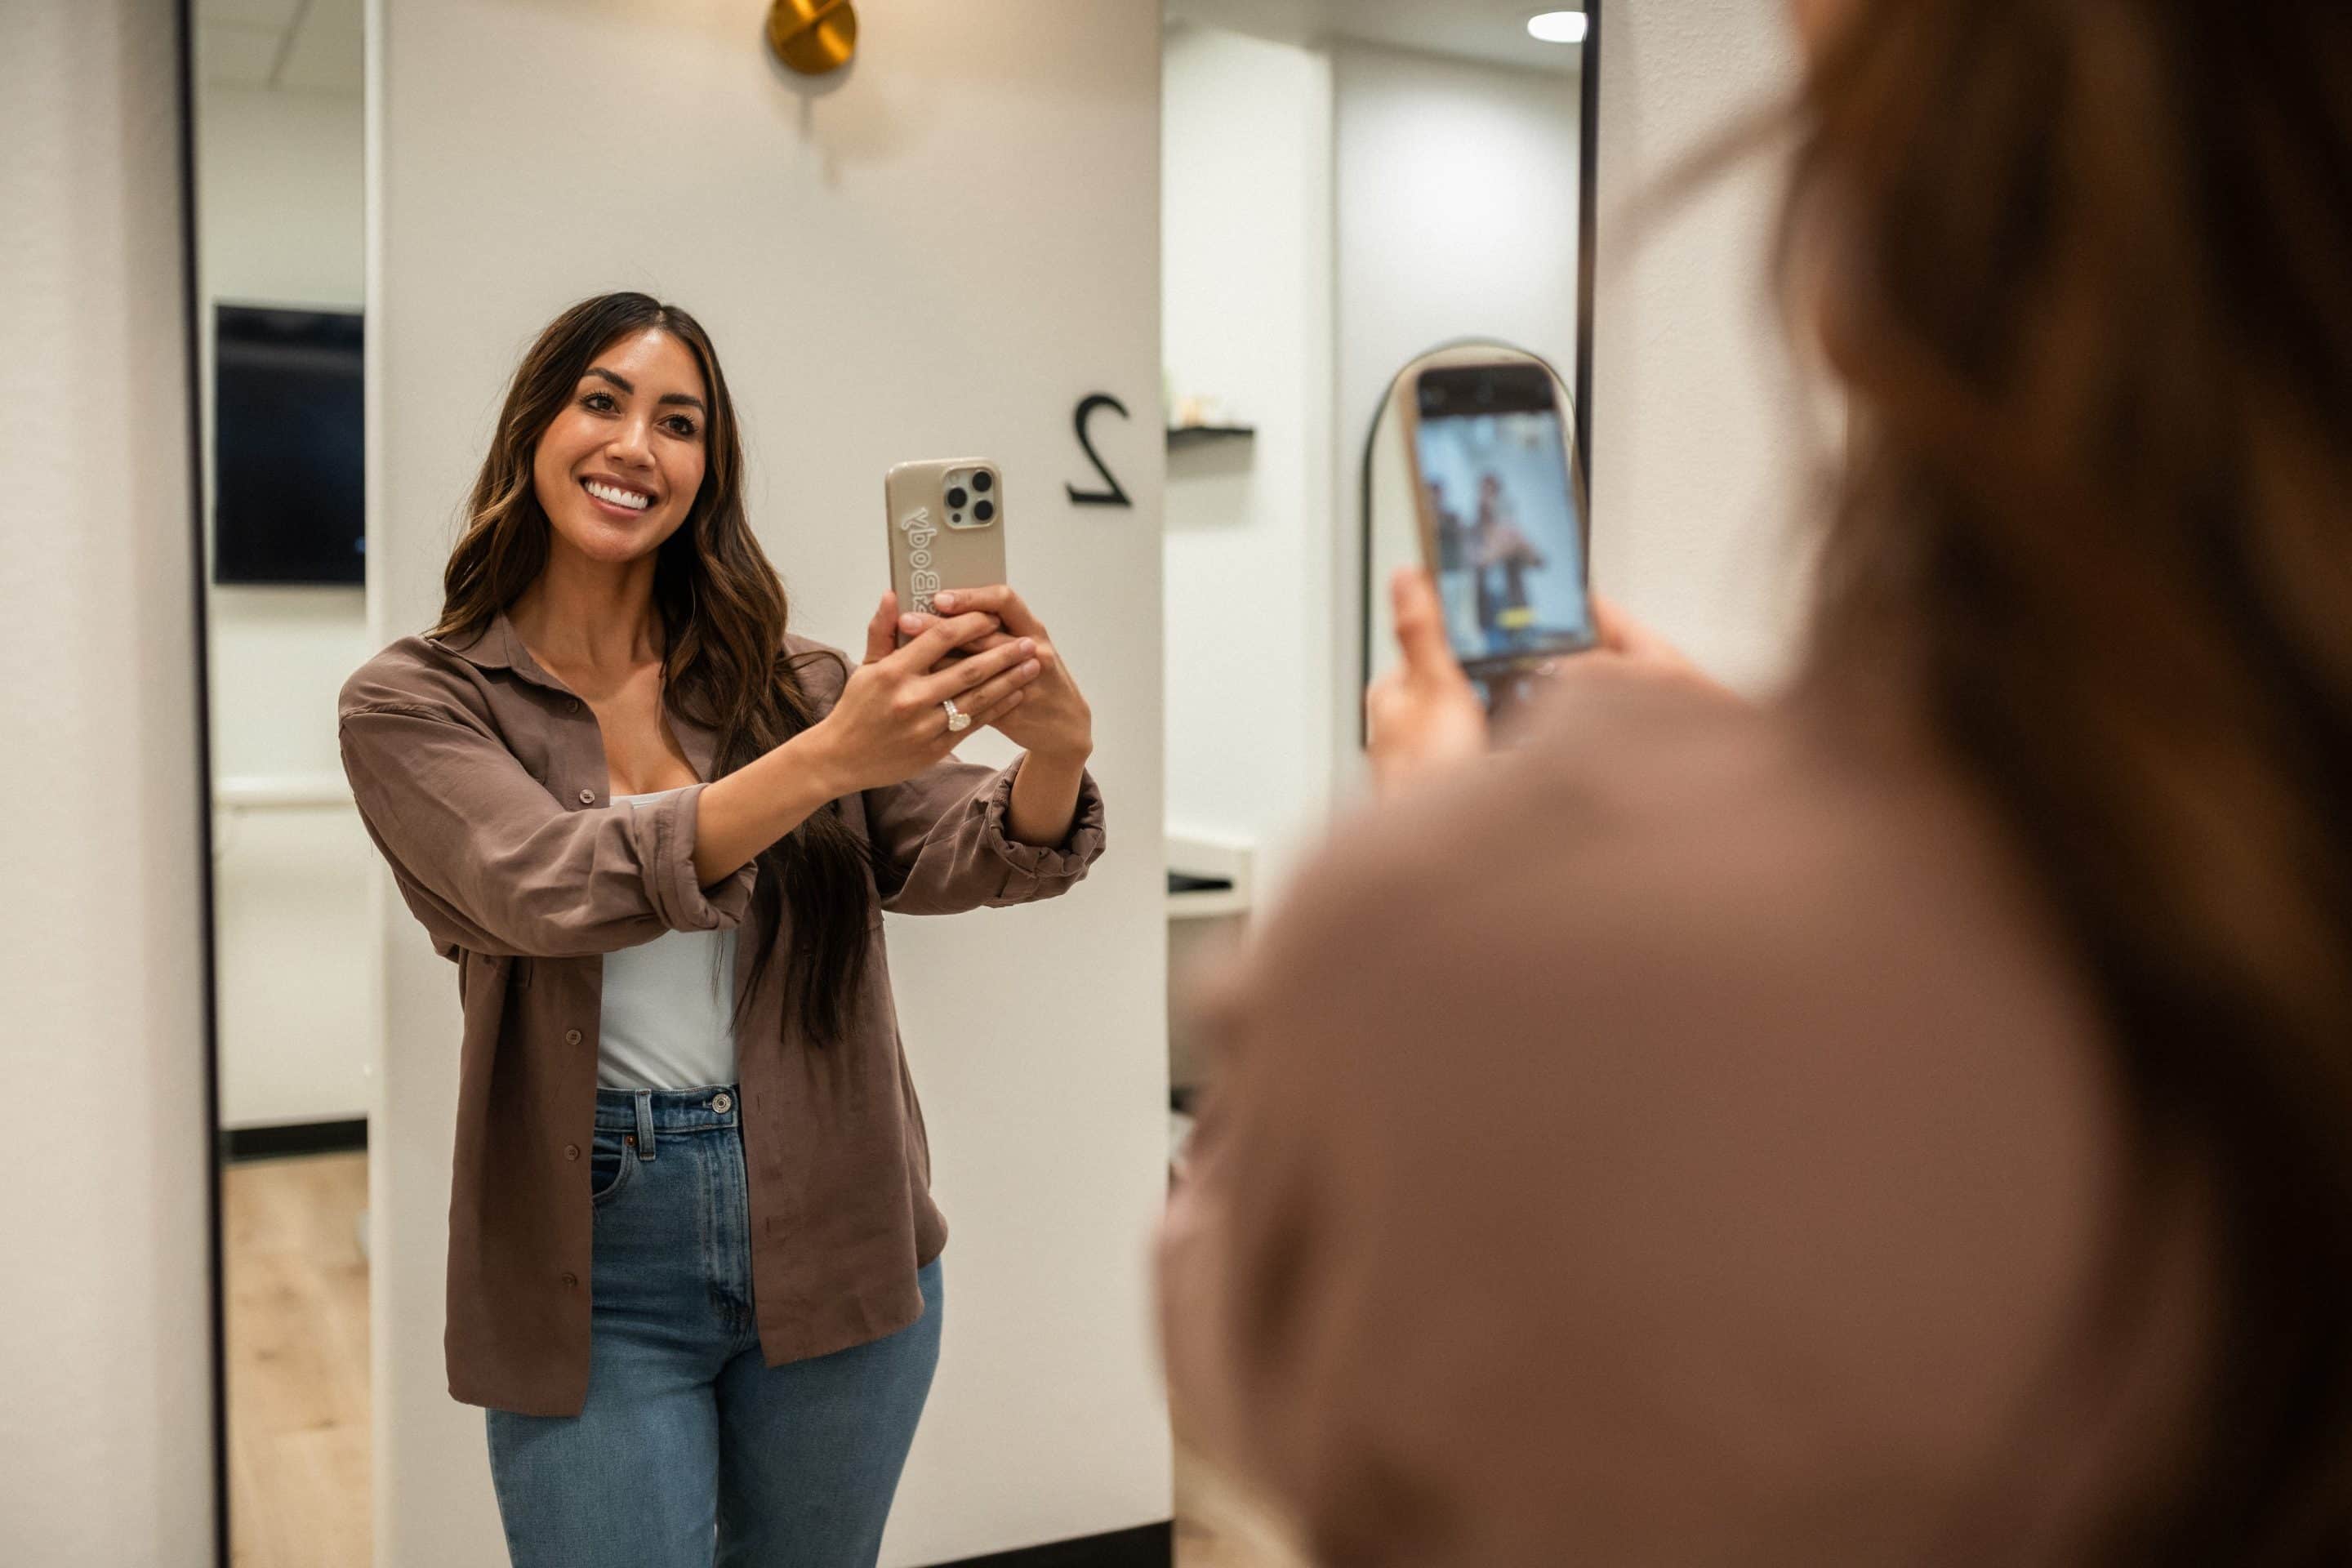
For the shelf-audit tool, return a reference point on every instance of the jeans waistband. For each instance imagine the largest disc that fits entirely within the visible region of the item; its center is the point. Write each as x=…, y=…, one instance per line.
x=669, y=1113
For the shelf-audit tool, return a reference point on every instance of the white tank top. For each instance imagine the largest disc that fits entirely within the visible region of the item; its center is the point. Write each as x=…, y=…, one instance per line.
x=668, y=1006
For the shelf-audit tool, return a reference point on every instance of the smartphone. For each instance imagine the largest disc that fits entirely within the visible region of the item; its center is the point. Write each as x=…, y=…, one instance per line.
x=1501, y=492
x=947, y=528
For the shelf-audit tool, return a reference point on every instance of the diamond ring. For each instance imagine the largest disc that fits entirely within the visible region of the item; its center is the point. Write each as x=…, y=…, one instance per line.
x=958, y=719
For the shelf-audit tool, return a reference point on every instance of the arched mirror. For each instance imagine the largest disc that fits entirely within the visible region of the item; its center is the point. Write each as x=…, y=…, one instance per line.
x=1472, y=467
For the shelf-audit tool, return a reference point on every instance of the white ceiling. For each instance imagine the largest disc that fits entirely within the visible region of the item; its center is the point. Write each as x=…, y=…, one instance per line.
x=285, y=46
x=1491, y=30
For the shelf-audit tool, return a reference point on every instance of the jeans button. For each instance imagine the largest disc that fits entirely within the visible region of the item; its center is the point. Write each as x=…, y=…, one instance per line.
x=722, y=1103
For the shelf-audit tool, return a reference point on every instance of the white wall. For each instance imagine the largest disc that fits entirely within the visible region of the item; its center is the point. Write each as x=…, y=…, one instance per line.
x=1700, y=442
x=810, y=230
x=1245, y=245
x=281, y=184
x=1459, y=185
x=105, y=1449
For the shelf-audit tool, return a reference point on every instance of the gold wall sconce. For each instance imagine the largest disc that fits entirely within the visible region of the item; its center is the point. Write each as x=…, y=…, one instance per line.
x=813, y=37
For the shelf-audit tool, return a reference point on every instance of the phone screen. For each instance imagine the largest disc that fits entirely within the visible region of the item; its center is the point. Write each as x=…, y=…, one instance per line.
x=1507, y=529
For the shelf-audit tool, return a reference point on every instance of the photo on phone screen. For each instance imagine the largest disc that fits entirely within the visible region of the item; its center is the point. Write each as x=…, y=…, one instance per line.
x=1505, y=529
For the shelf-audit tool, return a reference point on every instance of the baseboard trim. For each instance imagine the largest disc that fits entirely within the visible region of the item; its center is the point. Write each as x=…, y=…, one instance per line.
x=295, y=1138
x=1146, y=1546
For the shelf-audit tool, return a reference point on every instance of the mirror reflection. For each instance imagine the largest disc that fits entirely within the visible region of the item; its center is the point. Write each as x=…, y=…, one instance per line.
x=279, y=119
x=599, y=1086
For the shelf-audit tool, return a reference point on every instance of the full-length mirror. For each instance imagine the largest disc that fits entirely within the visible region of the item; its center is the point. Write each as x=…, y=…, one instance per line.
x=700, y=1056
x=279, y=122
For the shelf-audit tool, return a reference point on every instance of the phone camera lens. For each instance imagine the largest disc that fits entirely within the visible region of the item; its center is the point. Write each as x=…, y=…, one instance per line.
x=956, y=497
x=985, y=511
x=984, y=481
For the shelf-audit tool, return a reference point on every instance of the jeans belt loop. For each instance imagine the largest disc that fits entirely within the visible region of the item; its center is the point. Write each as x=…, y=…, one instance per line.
x=645, y=1124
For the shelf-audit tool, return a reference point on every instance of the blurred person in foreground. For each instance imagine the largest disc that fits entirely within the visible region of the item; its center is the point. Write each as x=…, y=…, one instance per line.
x=1908, y=1120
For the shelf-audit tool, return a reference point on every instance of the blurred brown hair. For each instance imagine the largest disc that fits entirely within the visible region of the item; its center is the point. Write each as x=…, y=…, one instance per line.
x=723, y=611
x=2091, y=266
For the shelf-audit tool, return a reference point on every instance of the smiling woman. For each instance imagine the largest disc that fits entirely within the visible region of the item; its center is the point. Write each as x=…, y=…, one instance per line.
x=607, y=763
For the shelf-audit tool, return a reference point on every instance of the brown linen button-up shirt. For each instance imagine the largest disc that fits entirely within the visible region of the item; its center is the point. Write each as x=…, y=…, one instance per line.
x=482, y=779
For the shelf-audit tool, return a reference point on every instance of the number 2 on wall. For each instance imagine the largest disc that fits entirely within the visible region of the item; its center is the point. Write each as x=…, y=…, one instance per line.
x=1113, y=495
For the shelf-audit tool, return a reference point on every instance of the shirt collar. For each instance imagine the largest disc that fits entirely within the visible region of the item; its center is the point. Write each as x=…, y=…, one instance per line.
x=497, y=646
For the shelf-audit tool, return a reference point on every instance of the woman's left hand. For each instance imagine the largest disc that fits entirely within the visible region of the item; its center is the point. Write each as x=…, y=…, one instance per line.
x=1052, y=721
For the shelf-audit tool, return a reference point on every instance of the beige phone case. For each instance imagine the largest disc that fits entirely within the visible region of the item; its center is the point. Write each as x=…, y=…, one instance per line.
x=934, y=545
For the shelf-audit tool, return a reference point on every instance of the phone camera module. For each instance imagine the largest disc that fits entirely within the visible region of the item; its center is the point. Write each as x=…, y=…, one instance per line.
x=984, y=481
x=956, y=499
x=985, y=511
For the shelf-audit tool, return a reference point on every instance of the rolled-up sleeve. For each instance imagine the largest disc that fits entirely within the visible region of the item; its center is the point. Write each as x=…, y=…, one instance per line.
x=944, y=850
x=491, y=862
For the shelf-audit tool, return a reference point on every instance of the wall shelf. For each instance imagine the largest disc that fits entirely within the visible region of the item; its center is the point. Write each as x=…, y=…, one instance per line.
x=1208, y=861
x=1183, y=437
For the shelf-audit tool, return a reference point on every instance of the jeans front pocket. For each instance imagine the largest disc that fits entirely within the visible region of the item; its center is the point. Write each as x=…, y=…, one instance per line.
x=611, y=1162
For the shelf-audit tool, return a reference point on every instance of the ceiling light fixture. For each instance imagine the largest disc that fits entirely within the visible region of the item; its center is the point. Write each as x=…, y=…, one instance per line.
x=1557, y=26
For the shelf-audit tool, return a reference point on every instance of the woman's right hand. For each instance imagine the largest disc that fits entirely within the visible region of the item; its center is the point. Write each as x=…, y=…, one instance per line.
x=889, y=724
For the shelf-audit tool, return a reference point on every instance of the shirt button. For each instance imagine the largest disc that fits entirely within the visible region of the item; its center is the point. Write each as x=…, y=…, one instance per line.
x=572, y=1151
x=722, y=1103
x=571, y=1281
x=570, y=1037
x=587, y=797
x=574, y=705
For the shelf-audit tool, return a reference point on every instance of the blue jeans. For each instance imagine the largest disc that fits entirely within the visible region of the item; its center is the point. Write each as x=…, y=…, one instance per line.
x=691, y=1451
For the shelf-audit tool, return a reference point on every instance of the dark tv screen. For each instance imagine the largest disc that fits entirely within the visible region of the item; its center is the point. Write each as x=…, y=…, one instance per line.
x=287, y=480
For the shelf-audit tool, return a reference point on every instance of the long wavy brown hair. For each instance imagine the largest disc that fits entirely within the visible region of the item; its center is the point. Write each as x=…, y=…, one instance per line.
x=2091, y=266
x=723, y=613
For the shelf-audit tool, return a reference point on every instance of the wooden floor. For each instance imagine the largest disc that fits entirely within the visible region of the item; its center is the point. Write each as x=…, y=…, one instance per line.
x=297, y=1383
x=298, y=1361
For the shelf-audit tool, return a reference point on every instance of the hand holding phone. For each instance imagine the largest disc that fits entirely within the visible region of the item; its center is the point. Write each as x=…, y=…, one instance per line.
x=892, y=720
x=1055, y=720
